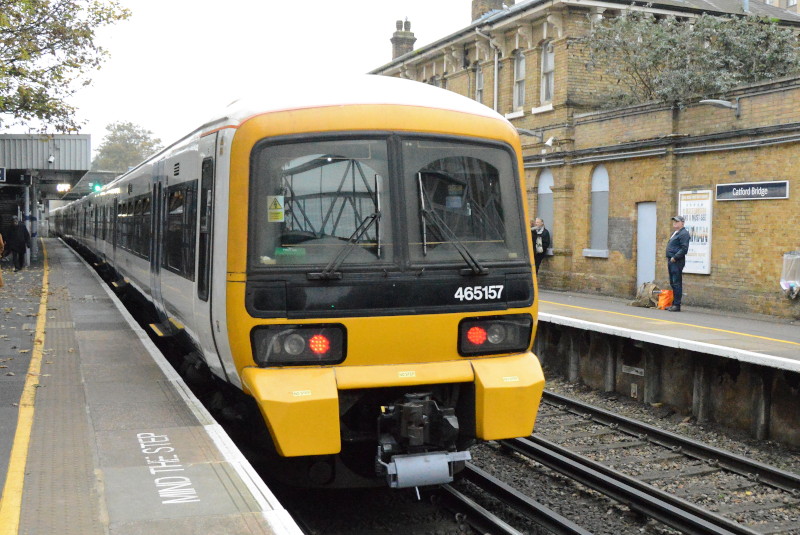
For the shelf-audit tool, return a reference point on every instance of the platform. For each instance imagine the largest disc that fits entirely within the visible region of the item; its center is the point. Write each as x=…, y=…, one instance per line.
x=753, y=339
x=740, y=371
x=97, y=433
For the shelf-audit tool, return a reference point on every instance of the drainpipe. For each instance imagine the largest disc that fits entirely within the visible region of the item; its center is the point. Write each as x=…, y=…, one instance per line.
x=496, y=48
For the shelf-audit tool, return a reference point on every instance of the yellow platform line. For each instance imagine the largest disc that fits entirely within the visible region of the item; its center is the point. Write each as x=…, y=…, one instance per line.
x=674, y=323
x=11, y=499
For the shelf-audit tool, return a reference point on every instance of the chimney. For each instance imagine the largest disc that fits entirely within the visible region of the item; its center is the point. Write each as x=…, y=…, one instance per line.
x=403, y=39
x=482, y=7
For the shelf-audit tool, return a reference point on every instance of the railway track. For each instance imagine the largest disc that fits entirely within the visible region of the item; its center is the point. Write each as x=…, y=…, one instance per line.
x=688, y=485
x=485, y=521
x=679, y=484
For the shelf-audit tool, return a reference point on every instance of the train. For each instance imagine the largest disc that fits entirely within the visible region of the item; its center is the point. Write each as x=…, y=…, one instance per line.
x=354, y=257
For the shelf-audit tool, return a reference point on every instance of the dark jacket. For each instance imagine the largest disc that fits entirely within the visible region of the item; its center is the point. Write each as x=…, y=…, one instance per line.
x=545, y=240
x=18, y=238
x=678, y=245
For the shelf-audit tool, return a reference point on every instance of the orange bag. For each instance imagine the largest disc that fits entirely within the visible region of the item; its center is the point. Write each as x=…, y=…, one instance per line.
x=665, y=299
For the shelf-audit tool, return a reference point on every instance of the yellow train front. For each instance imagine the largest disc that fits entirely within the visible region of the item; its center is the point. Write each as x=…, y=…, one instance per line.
x=381, y=306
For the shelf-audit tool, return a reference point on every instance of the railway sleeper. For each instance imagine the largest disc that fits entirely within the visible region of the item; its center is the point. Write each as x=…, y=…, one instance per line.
x=692, y=471
x=774, y=528
x=693, y=492
x=752, y=507
x=587, y=434
x=638, y=459
x=608, y=447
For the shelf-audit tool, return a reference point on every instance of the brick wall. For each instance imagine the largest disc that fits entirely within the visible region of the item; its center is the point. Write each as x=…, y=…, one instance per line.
x=647, y=151
x=749, y=237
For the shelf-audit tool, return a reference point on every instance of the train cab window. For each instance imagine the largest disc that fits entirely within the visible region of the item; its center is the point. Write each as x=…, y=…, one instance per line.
x=466, y=208
x=321, y=203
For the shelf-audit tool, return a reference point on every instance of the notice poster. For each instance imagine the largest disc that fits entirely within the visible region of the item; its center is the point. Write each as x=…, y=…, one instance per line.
x=696, y=207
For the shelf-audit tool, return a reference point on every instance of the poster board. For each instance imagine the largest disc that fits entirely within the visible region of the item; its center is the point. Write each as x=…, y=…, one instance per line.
x=696, y=207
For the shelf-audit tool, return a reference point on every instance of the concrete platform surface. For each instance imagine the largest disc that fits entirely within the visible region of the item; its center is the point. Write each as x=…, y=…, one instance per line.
x=758, y=340
x=99, y=434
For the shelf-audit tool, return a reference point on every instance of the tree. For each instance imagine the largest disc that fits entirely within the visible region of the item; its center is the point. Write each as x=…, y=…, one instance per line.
x=46, y=50
x=674, y=60
x=125, y=146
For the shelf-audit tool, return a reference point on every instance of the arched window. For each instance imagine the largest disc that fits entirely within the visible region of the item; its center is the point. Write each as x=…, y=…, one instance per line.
x=548, y=72
x=598, y=242
x=544, y=200
x=519, y=80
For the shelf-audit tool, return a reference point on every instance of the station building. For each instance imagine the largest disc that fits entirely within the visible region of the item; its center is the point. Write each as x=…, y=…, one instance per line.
x=607, y=182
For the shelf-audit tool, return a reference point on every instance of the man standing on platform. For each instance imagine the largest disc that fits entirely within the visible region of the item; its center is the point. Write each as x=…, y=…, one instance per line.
x=541, y=241
x=18, y=240
x=677, y=247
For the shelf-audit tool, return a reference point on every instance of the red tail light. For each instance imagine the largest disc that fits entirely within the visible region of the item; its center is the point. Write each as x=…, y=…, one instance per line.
x=476, y=335
x=319, y=344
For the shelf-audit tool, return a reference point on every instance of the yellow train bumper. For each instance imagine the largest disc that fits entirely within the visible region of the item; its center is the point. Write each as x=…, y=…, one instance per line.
x=301, y=405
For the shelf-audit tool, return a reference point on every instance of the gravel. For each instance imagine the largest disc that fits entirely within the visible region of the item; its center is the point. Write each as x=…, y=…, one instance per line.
x=664, y=417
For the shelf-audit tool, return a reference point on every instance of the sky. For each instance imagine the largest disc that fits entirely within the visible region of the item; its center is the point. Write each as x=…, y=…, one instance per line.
x=175, y=63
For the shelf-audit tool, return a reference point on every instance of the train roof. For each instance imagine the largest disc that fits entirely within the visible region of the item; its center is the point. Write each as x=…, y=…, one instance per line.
x=320, y=93
x=363, y=89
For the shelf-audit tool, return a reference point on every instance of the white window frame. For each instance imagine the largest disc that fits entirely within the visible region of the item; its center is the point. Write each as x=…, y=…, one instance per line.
x=598, y=216
x=519, y=81
x=548, y=72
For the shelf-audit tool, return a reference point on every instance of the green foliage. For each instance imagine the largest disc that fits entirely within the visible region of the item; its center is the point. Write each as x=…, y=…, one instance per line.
x=674, y=60
x=124, y=146
x=46, y=50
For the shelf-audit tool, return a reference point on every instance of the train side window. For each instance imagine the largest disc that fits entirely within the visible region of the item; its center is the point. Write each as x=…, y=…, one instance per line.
x=137, y=245
x=122, y=220
x=206, y=219
x=145, y=228
x=179, y=230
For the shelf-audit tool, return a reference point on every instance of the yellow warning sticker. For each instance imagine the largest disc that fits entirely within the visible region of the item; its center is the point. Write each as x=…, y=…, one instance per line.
x=275, y=211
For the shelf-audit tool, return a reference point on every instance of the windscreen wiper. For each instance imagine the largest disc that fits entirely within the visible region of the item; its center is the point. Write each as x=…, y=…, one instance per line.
x=433, y=219
x=331, y=271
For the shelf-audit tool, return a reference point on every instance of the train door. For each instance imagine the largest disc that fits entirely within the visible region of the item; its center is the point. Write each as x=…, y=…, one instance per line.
x=203, y=308
x=645, y=242
x=156, y=232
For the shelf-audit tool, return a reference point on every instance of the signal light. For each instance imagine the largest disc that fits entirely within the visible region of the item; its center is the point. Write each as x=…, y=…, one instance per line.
x=96, y=187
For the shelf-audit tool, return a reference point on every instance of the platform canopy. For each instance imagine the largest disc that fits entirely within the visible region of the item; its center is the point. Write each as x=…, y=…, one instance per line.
x=43, y=161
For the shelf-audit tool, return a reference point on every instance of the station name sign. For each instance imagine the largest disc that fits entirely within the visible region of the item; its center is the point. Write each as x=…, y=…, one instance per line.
x=751, y=191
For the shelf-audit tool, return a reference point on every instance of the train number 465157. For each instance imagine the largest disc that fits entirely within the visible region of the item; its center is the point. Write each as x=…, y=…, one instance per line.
x=478, y=293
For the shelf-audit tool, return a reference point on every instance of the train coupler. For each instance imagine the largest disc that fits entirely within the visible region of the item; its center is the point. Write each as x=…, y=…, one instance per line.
x=421, y=469
x=417, y=442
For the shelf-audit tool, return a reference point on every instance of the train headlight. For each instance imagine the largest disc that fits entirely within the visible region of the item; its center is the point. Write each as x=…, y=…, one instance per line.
x=294, y=345
x=494, y=334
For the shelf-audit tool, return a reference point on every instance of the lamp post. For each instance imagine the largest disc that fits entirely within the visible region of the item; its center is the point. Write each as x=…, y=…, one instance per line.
x=539, y=135
x=724, y=104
